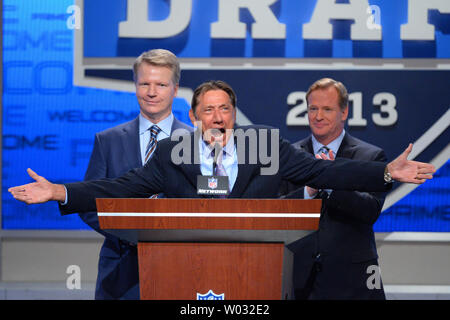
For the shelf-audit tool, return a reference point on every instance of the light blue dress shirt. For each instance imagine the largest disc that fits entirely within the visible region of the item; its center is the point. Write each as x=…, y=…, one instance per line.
x=229, y=160
x=144, y=134
x=333, y=145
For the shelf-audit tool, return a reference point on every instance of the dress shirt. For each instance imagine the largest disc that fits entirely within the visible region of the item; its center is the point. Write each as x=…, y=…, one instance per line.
x=144, y=132
x=333, y=146
x=229, y=160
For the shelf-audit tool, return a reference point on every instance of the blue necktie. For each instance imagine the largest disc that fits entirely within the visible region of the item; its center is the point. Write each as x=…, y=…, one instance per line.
x=154, y=131
x=324, y=193
x=324, y=149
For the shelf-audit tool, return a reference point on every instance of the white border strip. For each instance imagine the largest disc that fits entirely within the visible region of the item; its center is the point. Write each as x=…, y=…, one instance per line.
x=412, y=237
x=428, y=289
x=421, y=144
x=431, y=134
x=398, y=236
x=213, y=215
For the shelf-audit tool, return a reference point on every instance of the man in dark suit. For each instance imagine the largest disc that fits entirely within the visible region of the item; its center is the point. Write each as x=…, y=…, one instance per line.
x=122, y=148
x=338, y=261
x=175, y=165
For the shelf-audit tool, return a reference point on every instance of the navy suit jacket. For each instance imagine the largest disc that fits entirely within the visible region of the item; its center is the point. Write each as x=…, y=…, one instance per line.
x=344, y=246
x=116, y=151
x=178, y=180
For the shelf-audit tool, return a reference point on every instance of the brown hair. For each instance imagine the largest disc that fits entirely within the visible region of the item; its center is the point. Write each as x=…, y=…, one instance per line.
x=325, y=83
x=213, y=85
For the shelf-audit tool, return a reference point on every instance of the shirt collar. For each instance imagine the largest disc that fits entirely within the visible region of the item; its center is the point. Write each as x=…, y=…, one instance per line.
x=333, y=145
x=229, y=149
x=165, y=125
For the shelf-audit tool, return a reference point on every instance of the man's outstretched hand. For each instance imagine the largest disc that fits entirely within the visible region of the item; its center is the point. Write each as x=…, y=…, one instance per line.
x=38, y=192
x=404, y=170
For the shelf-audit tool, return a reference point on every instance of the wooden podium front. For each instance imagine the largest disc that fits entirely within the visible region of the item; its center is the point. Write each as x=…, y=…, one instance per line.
x=234, y=247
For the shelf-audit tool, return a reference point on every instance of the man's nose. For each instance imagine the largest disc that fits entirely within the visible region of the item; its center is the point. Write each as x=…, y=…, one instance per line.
x=319, y=114
x=217, y=116
x=151, y=91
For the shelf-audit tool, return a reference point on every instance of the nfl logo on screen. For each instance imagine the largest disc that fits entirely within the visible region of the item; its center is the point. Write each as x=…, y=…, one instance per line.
x=212, y=183
x=210, y=295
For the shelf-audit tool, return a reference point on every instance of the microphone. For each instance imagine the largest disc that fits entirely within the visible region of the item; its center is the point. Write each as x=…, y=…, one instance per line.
x=217, y=150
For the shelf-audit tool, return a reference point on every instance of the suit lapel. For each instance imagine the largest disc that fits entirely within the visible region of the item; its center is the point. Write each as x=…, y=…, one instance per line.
x=307, y=145
x=132, y=151
x=176, y=125
x=347, y=147
x=246, y=172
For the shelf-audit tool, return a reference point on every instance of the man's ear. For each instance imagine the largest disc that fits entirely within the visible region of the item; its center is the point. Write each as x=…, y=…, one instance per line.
x=344, y=114
x=192, y=116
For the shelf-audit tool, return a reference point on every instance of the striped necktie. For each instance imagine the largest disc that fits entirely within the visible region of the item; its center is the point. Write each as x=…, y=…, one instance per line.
x=151, y=146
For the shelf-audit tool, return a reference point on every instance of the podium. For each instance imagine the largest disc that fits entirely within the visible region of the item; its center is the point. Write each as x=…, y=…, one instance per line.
x=233, y=249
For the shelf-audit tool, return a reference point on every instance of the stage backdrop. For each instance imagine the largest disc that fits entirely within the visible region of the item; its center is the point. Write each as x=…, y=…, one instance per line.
x=67, y=75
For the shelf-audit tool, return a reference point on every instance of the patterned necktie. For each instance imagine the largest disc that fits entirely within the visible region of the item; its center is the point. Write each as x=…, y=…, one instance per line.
x=220, y=170
x=324, y=193
x=324, y=149
x=154, y=131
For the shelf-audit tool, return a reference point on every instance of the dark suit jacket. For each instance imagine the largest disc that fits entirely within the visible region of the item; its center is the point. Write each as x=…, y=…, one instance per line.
x=116, y=151
x=344, y=246
x=161, y=174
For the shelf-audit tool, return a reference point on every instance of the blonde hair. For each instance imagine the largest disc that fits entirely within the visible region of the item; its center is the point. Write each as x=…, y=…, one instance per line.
x=159, y=57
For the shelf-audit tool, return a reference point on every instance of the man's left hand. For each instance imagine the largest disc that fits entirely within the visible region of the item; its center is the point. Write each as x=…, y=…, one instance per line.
x=324, y=156
x=404, y=170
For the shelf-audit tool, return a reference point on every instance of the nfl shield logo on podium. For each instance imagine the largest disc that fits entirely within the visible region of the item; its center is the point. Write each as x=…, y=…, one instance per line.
x=210, y=295
x=212, y=183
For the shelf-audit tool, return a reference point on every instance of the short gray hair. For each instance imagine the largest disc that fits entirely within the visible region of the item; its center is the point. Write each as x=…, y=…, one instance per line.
x=159, y=57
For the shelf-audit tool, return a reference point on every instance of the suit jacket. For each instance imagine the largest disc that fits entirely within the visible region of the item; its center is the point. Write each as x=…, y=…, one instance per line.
x=116, y=151
x=178, y=180
x=332, y=262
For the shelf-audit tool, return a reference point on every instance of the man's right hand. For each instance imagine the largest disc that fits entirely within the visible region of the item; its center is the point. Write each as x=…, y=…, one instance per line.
x=38, y=192
x=330, y=156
